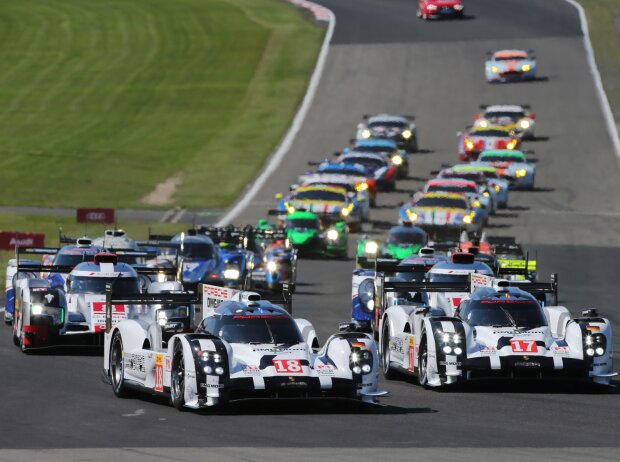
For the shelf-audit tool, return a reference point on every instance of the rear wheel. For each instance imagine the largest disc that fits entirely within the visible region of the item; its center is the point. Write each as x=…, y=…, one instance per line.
x=117, y=367
x=423, y=364
x=177, y=381
x=388, y=373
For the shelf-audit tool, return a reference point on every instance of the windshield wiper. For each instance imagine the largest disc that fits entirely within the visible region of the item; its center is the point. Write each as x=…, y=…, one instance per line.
x=509, y=316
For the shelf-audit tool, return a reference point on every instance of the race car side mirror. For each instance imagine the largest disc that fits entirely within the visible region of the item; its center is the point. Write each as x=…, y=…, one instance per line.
x=532, y=116
x=459, y=133
x=423, y=310
x=590, y=313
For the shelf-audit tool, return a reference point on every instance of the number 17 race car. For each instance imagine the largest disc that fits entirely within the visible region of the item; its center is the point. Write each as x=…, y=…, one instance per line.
x=244, y=347
x=499, y=331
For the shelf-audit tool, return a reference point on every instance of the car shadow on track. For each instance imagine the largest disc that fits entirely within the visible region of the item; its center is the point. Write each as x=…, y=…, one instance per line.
x=531, y=386
x=63, y=350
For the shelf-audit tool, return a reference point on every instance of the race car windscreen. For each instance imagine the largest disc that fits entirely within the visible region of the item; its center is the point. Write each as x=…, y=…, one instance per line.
x=375, y=162
x=302, y=223
x=514, y=116
x=197, y=250
x=96, y=285
x=444, y=202
x=491, y=133
x=388, y=124
x=500, y=158
x=73, y=259
x=452, y=188
x=374, y=149
x=452, y=278
x=320, y=195
x=504, y=312
x=406, y=237
x=256, y=329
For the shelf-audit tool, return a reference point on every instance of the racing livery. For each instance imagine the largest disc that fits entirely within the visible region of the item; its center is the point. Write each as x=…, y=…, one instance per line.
x=510, y=165
x=401, y=129
x=433, y=9
x=244, y=347
x=510, y=66
x=512, y=117
x=475, y=140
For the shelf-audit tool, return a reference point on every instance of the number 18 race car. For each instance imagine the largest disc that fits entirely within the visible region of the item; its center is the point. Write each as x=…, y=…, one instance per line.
x=499, y=331
x=244, y=347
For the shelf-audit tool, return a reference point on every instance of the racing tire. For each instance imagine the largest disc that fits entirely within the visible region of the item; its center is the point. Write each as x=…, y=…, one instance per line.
x=22, y=344
x=423, y=364
x=388, y=372
x=177, y=379
x=116, y=367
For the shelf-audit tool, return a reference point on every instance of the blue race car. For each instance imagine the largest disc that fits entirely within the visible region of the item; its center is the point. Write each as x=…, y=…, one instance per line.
x=387, y=147
x=510, y=66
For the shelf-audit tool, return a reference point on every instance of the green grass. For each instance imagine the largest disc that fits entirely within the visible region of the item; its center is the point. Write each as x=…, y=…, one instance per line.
x=100, y=100
x=604, y=23
x=50, y=225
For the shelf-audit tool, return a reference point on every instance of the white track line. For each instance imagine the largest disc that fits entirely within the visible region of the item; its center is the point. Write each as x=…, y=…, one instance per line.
x=596, y=76
x=288, y=139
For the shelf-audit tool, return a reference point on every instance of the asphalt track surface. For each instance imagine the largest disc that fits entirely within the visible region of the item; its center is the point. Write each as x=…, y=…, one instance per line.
x=383, y=59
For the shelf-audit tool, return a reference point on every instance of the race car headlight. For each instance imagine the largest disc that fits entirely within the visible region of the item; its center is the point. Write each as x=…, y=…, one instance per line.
x=596, y=344
x=366, y=294
x=371, y=247
x=469, y=145
x=413, y=217
x=212, y=362
x=447, y=349
x=521, y=173
x=526, y=68
x=361, y=186
x=486, y=194
x=458, y=7
x=36, y=309
x=498, y=188
x=332, y=234
x=397, y=160
x=231, y=273
x=290, y=209
x=272, y=266
x=161, y=277
x=458, y=351
x=366, y=133
x=495, y=68
x=219, y=370
x=345, y=212
x=360, y=361
x=407, y=134
x=467, y=219
x=476, y=204
x=525, y=124
x=483, y=123
x=511, y=144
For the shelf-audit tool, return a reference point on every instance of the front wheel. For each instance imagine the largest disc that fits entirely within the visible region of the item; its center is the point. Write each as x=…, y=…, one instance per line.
x=423, y=364
x=177, y=380
x=388, y=373
x=117, y=367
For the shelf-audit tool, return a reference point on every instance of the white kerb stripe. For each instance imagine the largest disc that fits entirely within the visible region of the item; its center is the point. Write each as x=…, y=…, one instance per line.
x=287, y=141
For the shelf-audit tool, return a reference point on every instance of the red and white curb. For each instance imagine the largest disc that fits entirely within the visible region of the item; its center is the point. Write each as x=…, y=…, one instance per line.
x=322, y=14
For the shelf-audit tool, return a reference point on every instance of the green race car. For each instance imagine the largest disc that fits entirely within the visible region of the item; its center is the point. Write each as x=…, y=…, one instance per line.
x=401, y=242
x=306, y=233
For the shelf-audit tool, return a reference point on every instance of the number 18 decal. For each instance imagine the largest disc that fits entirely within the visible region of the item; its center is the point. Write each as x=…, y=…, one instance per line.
x=287, y=366
x=159, y=373
x=524, y=346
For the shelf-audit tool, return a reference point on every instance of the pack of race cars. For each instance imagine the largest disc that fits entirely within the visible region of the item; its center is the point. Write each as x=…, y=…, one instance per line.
x=205, y=316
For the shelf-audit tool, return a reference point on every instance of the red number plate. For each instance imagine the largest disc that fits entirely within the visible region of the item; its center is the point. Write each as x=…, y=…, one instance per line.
x=524, y=346
x=287, y=366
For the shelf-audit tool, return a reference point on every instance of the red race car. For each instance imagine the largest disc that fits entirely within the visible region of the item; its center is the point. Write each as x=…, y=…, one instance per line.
x=433, y=9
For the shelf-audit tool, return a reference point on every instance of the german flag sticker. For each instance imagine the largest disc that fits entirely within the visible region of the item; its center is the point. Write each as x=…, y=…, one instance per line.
x=593, y=328
x=358, y=345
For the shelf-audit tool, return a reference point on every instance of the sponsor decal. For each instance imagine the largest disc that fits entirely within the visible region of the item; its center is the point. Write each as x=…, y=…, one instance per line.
x=98, y=315
x=133, y=361
x=288, y=366
x=411, y=353
x=560, y=350
x=10, y=239
x=523, y=346
x=213, y=295
x=325, y=369
x=396, y=344
x=106, y=216
x=251, y=370
x=168, y=364
x=159, y=372
x=450, y=363
x=212, y=385
x=599, y=364
x=488, y=350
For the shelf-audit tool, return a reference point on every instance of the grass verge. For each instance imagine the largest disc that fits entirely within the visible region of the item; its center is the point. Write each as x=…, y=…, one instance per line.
x=101, y=100
x=604, y=23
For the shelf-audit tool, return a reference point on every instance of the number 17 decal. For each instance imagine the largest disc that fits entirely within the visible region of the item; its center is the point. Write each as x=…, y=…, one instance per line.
x=287, y=366
x=524, y=346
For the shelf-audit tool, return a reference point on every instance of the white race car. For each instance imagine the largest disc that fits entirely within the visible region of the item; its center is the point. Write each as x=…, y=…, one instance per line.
x=499, y=331
x=244, y=347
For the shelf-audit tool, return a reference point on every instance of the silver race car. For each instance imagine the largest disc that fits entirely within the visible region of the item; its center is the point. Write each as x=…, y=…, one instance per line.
x=244, y=347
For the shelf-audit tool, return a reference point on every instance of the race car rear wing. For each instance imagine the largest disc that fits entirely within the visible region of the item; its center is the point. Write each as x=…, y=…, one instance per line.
x=173, y=298
x=32, y=267
x=212, y=296
x=390, y=266
x=149, y=255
